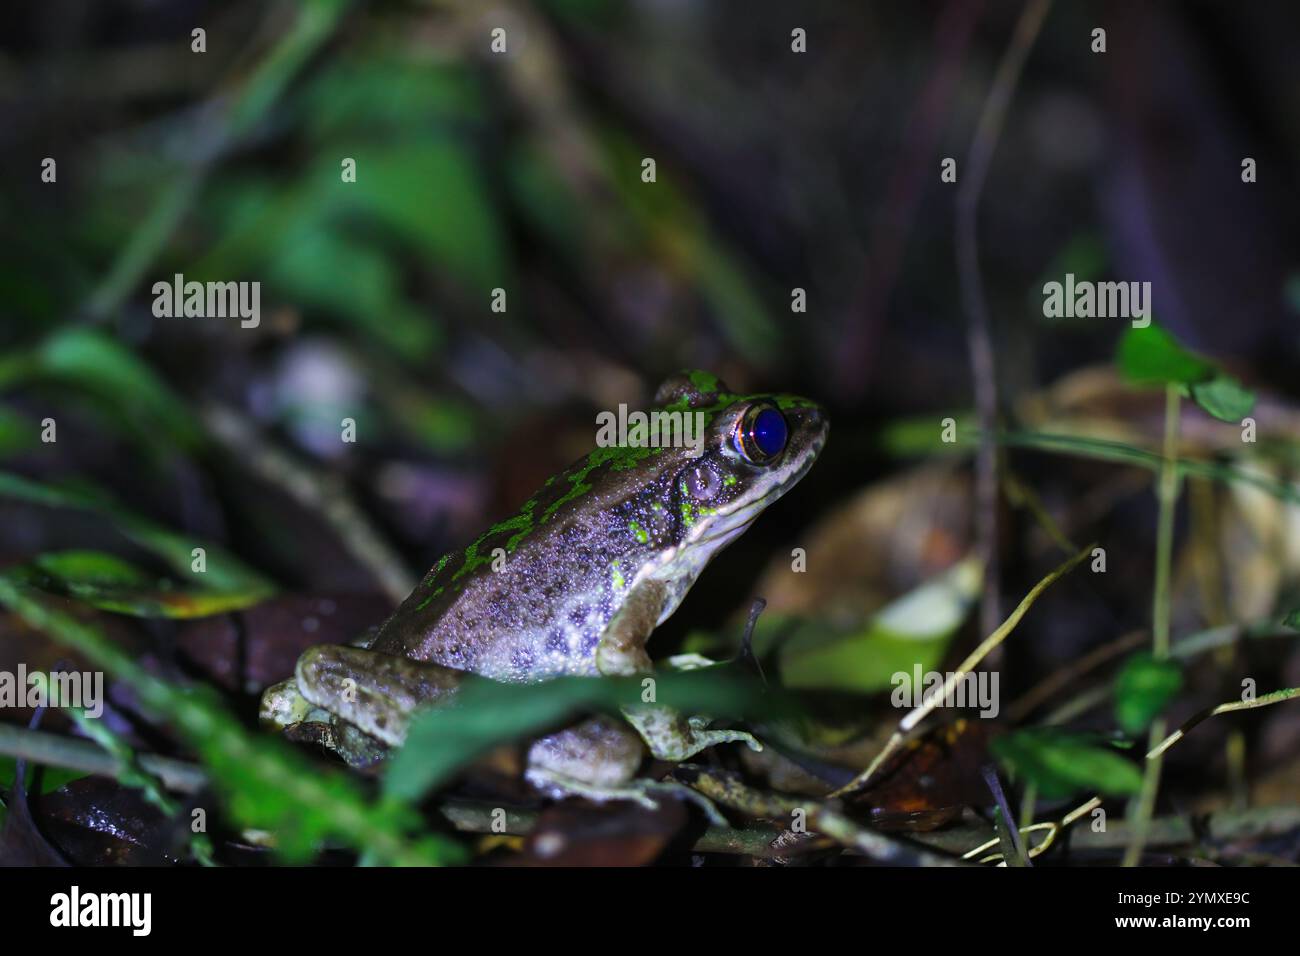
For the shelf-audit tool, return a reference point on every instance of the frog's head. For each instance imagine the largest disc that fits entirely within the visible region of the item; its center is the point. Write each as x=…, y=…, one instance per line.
x=748, y=452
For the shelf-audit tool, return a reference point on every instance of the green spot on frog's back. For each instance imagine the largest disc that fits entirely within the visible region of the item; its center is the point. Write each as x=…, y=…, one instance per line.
x=704, y=381
x=618, y=457
x=521, y=524
x=430, y=599
x=472, y=560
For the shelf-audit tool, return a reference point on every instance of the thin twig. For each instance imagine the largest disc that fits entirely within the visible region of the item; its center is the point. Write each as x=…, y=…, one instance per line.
x=823, y=817
x=1053, y=829
x=979, y=336
x=1276, y=697
x=954, y=26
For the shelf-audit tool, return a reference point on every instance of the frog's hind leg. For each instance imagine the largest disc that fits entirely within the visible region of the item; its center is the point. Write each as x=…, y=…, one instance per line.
x=597, y=760
x=376, y=693
x=600, y=754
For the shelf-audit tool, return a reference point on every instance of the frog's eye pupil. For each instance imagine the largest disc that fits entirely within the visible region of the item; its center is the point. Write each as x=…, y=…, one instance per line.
x=763, y=434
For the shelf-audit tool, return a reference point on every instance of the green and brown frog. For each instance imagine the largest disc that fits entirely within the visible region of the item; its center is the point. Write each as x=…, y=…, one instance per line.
x=583, y=574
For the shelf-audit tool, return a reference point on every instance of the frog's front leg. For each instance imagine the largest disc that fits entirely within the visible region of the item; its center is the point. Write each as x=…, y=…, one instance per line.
x=621, y=652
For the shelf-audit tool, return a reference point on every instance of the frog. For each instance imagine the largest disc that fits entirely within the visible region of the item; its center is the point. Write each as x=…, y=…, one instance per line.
x=573, y=583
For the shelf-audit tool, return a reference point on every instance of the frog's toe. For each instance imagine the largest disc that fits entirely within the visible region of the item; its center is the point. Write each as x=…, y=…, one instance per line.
x=699, y=730
x=557, y=786
x=711, y=738
x=283, y=705
x=670, y=736
x=646, y=793
x=690, y=662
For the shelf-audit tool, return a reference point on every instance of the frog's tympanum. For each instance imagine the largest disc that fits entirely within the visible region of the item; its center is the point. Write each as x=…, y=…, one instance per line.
x=594, y=561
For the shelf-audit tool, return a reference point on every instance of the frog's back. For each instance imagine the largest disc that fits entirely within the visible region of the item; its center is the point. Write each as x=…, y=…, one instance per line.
x=530, y=597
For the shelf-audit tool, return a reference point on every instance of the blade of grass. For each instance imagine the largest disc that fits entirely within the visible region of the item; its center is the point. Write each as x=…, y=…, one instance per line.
x=223, y=571
x=1105, y=450
x=265, y=783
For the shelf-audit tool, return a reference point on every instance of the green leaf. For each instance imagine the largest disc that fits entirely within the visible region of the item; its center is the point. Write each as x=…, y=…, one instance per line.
x=1062, y=764
x=1224, y=397
x=111, y=584
x=912, y=631
x=1143, y=688
x=48, y=778
x=431, y=194
x=51, y=778
x=94, y=363
x=1152, y=355
x=224, y=573
x=17, y=432
x=361, y=96
x=91, y=567
x=1292, y=619
x=487, y=713
x=923, y=435
x=330, y=270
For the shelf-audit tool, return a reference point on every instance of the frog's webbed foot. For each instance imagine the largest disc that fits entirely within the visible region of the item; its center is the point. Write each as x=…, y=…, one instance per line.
x=671, y=736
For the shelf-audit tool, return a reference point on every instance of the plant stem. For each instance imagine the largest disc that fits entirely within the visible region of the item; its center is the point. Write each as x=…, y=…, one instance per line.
x=1167, y=497
x=979, y=335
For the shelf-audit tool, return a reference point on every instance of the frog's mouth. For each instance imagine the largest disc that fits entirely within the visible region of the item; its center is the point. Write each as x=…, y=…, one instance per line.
x=680, y=568
x=734, y=520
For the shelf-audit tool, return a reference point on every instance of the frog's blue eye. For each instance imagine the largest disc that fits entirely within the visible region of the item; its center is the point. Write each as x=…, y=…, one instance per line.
x=762, y=434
